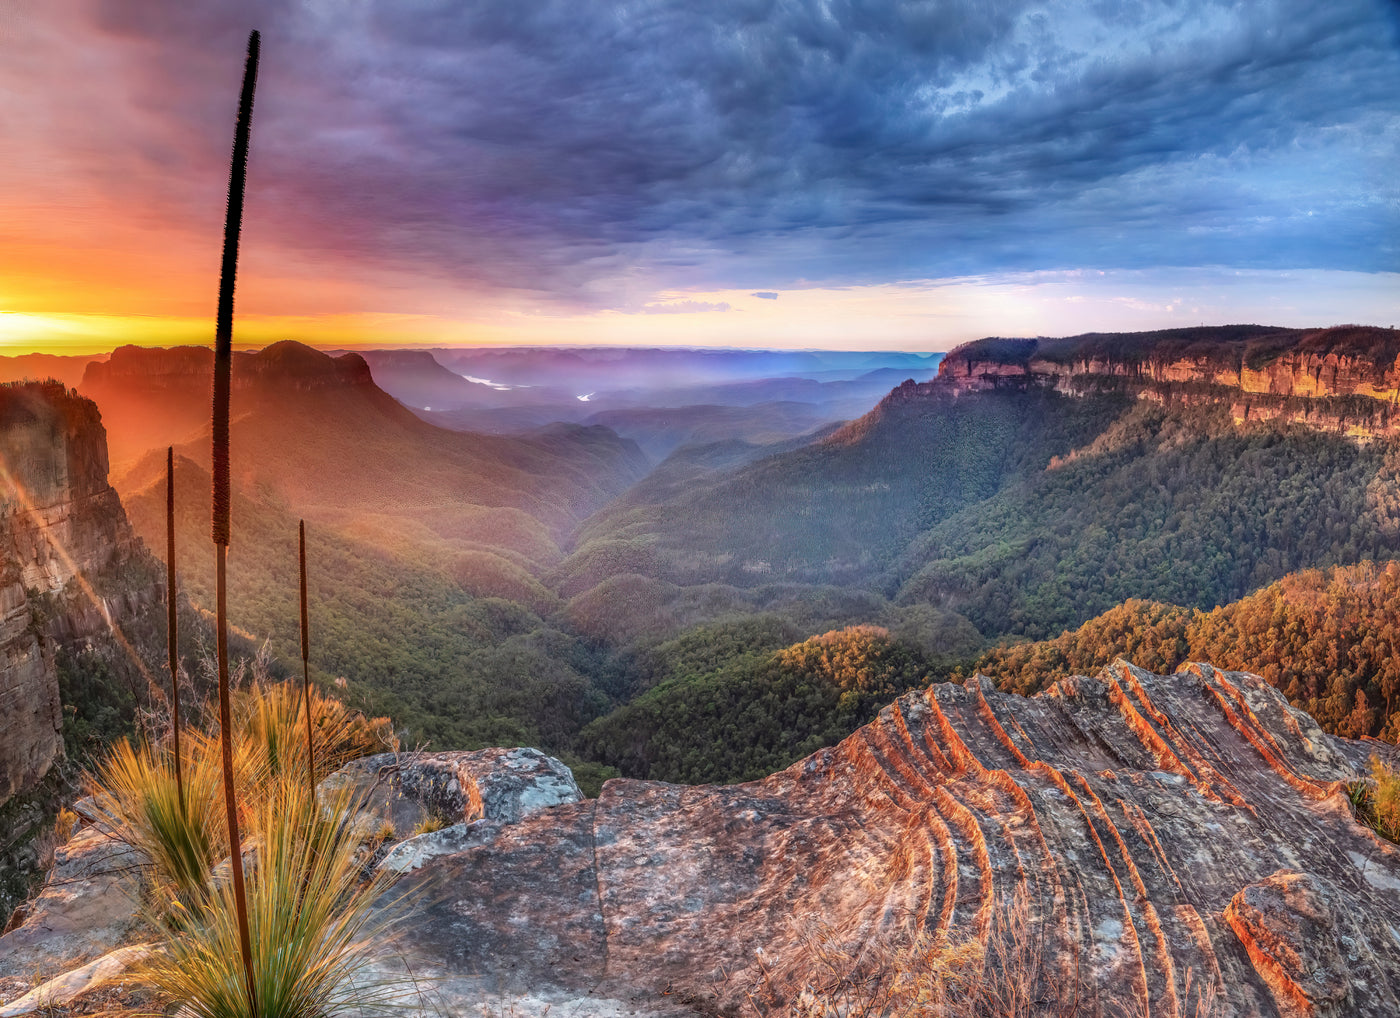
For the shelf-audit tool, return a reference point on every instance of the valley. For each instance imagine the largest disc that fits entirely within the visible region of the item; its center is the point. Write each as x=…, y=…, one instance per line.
x=737, y=592
x=634, y=588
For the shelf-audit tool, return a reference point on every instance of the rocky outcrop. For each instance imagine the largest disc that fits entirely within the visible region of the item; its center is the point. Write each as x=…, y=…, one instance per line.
x=1288, y=926
x=1141, y=842
x=72, y=574
x=61, y=527
x=410, y=790
x=1340, y=379
x=90, y=900
x=1166, y=834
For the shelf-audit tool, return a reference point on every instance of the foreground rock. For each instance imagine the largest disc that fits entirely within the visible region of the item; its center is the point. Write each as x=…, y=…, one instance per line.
x=72, y=576
x=89, y=902
x=63, y=990
x=1173, y=834
x=1139, y=840
x=457, y=787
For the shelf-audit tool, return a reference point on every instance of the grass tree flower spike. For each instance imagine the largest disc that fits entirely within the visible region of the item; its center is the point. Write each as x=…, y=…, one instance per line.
x=306, y=668
x=223, y=361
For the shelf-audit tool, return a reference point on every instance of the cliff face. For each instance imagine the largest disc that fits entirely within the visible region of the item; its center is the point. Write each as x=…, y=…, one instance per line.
x=1162, y=834
x=61, y=528
x=1342, y=379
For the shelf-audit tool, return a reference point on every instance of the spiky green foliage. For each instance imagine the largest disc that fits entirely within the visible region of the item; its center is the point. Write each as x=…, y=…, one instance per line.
x=183, y=834
x=312, y=921
x=136, y=785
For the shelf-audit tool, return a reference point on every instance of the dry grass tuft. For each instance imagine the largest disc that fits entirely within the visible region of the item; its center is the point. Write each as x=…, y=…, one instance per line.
x=272, y=717
x=1376, y=802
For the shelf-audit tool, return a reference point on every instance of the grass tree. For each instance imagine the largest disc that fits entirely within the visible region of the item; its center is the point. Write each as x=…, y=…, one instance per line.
x=222, y=495
x=317, y=922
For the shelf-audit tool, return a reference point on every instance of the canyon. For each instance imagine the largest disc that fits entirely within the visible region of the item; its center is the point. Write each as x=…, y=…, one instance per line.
x=1164, y=837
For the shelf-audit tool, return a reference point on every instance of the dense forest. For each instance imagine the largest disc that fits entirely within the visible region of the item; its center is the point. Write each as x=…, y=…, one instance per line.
x=1180, y=506
x=1329, y=639
x=1014, y=521
x=729, y=710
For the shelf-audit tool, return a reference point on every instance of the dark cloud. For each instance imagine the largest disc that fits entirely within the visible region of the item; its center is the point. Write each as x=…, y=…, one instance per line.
x=765, y=295
x=575, y=145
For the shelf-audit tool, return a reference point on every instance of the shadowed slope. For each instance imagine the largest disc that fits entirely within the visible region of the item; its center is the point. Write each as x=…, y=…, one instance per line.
x=317, y=431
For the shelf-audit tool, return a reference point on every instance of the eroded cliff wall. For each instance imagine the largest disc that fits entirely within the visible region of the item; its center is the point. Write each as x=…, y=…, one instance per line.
x=1344, y=379
x=63, y=535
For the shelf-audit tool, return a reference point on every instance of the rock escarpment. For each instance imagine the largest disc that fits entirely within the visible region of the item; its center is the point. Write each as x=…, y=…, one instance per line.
x=1166, y=833
x=1342, y=379
x=71, y=573
x=287, y=364
x=61, y=527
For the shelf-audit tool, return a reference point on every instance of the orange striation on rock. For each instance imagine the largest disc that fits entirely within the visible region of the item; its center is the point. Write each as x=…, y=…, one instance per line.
x=1143, y=825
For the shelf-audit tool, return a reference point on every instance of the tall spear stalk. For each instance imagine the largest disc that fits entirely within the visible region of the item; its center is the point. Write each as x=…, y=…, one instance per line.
x=172, y=636
x=223, y=362
x=306, y=669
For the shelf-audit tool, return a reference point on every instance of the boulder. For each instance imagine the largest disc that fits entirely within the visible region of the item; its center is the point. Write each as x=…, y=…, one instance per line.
x=456, y=787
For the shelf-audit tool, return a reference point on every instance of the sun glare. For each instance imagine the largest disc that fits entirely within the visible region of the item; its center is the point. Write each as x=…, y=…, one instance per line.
x=32, y=332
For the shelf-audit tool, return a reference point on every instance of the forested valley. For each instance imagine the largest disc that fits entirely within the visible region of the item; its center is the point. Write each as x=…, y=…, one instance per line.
x=694, y=610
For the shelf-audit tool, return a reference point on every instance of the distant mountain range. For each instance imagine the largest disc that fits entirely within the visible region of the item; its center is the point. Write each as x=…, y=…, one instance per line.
x=319, y=432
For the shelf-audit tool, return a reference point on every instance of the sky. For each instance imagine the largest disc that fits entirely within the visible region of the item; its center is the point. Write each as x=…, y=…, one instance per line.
x=760, y=173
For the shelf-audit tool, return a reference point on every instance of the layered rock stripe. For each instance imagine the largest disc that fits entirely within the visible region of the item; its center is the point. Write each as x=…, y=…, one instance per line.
x=1168, y=832
x=1344, y=379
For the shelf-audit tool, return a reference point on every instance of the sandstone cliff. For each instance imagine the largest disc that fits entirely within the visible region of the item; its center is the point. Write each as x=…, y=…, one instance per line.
x=1343, y=379
x=64, y=539
x=1168, y=833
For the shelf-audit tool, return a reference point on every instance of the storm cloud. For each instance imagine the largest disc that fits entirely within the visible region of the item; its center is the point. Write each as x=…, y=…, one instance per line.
x=594, y=152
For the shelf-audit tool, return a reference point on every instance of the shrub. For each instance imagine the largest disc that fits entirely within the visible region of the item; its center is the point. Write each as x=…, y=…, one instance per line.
x=1376, y=802
x=271, y=717
x=312, y=918
x=136, y=786
x=431, y=822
